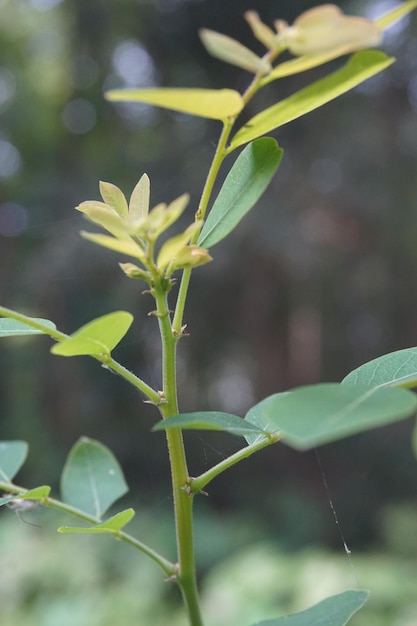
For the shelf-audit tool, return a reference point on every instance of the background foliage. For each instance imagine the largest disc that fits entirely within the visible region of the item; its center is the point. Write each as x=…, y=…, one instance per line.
x=314, y=282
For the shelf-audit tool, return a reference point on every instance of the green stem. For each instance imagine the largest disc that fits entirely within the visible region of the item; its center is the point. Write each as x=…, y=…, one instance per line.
x=196, y=485
x=186, y=570
x=168, y=567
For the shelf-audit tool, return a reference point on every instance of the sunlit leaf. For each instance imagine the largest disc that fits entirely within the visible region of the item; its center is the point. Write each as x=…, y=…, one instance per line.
x=359, y=68
x=139, y=200
x=247, y=180
x=209, y=420
x=113, y=525
x=92, y=478
x=12, y=456
x=261, y=31
x=397, y=369
x=396, y=14
x=231, y=51
x=318, y=414
x=334, y=611
x=12, y=328
x=114, y=197
x=123, y=246
x=97, y=337
x=216, y=104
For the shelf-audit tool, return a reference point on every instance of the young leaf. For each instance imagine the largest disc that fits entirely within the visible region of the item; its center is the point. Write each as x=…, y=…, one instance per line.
x=209, y=420
x=216, y=104
x=247, y=180
x=12, y=328
x=231, y=51
x=334, y=611
x=12, y=456
x=97, y=337
x=113, y=525
x=139, y=200
x=359, y=68
x=103, y=215
x=124, y=246
x=317, y=414
x=396, y=14
x=114, y=198
x=397, y=369
x=92, y=478
x=39, y=493
x=172, y=247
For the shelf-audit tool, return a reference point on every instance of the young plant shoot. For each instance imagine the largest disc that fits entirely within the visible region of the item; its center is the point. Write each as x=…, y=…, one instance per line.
x=162, y=258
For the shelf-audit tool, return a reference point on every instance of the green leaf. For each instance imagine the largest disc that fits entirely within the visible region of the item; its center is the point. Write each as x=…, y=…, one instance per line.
x=318, y=414
x=231, y=51
x=7, y=499
x=97, y=337
x=209, y=420
x=396, y=14
x=114, y=198
x=113, y=525
x=39, y=493
x=12, y=456
x=247, y=180
x=92, y=478
x=396, y=369
x=216, y=104
x=334, y=611
x=124, y=246
x=359, y=68
x=12, y=328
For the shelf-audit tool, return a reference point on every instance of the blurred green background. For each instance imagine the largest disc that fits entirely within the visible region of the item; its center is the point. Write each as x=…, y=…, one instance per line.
x=316, y=280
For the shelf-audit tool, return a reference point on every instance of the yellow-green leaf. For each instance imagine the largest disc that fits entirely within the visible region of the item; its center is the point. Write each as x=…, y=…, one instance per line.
x=113, y=525
x=359, y=68
x=114, y=198
x=97, y=337
x=216, y=104
x=103, y=215
x=174, y=245
x=139, y=200
x=124, y=246
x=231, y=51
x=396, y=14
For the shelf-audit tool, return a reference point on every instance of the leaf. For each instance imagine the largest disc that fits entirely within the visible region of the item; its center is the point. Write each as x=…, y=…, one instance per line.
x=334, y=611
x=172, y=247
x=114, y=197
x=139, y=200
x=12, y=456
x=92, y=478
x=103, y=215
x=396, y=369
x=113, y=525
x=359, y=68
x=317, y=414
x=231, y=51
x=124, y=246
x=396, y=14
x=247, y=180
x=216, y=104
x=12, y=328
x=209, y=420
x=97, y=337
x=39, y=493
